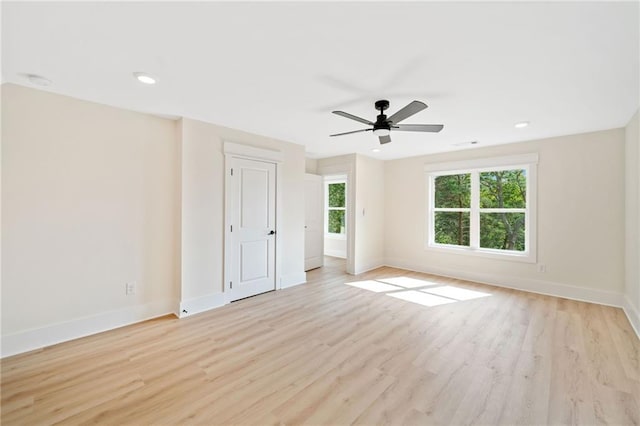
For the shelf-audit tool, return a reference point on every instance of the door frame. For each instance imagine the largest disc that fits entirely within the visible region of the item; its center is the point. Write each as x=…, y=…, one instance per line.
x=231, y=151
x=346, y=169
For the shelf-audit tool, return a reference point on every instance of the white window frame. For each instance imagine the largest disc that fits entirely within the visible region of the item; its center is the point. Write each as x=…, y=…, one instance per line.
x=328, y=234
x=526, y=162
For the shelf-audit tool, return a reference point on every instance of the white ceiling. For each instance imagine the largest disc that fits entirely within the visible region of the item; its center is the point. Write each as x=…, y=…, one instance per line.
x=279, y=69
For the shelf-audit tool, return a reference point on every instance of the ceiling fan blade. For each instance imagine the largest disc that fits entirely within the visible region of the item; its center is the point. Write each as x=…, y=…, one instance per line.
x=406, y=112
x=353, y=131
x=435, y=128
x=352, y=117
x=384, y=139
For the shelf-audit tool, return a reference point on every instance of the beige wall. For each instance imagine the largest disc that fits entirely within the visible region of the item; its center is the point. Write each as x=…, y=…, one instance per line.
x=580, y=216
x=369, y=214
x=632, y=210
x=203, y=208
x=365, y=236
x=311, y=165
x=88, y=199
x=94, y=197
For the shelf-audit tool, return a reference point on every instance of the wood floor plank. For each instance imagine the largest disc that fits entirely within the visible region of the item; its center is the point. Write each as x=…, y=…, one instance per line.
x=386, y=347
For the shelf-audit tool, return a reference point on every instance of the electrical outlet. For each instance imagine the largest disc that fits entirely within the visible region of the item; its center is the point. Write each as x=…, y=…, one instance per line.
x=542, y=267
x=130, y=288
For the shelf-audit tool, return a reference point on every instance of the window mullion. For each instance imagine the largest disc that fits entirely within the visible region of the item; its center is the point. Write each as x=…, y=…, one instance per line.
x=474, y=237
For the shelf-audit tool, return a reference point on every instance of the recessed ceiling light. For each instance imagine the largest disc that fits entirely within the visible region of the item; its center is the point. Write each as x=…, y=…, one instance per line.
x=521, y=124
x=145, y=78
x=375, y=150
x=38, y=80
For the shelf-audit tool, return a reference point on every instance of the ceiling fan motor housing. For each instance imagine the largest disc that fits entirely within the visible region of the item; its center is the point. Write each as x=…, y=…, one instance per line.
x=382, y=105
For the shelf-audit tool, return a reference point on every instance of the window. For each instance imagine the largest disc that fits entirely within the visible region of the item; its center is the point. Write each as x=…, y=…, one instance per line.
x=486, y=208
x=335, y=207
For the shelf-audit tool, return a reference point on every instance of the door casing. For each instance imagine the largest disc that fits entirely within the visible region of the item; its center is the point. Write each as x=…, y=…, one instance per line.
x=236, y=150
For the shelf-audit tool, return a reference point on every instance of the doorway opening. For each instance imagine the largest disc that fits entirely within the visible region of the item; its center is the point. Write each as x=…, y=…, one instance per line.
x=335, y=218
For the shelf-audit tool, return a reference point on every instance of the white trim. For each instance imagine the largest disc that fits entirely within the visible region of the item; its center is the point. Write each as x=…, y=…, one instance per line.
x=632, y=314
x=370, y=266
x=292, y=280
x=201, y=304
x=548, y=288
x=332, y=180
x=479, y=163
x=313, y=262
x=527, y=162
x=346, y=169
x=37, y=338
x=512, y=255
x=251, y=152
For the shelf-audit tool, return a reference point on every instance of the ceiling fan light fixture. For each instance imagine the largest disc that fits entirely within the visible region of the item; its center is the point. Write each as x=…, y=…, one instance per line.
x=381, y=132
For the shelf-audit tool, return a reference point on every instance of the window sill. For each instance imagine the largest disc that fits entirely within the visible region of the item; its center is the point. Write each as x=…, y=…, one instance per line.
x=524, y=257
x=336, y=236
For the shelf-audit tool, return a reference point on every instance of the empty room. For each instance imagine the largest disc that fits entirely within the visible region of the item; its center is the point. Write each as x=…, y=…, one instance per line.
x=320, y=213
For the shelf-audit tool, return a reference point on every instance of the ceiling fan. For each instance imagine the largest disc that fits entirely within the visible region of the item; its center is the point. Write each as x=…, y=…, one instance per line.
x=383, y=125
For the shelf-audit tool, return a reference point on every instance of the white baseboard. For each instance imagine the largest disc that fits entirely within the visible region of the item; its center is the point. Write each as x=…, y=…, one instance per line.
x=200, y=304
x=313, y=262
x=335, y=253
x=291, y=280
x=37, y=338
x=632, y=314
x=549, y=288
x=370, y=266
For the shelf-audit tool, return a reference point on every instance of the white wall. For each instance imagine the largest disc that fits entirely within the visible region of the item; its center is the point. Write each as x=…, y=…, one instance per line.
x=203, y=211
x=335, y=247
x=88, y=204
x=369, y=214
x=580, y=218
x=632, y=211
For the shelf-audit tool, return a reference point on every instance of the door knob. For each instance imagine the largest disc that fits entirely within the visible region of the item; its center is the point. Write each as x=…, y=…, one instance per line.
x=272, y=232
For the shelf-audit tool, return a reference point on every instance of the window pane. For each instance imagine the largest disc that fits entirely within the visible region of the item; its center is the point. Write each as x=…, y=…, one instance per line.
x=336, y=222
x=452, y=228
x=453, y=191
x=503, y=189
x=504, y=231
x=336, y=194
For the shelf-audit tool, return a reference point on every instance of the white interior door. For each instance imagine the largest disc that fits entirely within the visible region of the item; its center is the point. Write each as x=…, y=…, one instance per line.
x=313, y=222
x=252, y=204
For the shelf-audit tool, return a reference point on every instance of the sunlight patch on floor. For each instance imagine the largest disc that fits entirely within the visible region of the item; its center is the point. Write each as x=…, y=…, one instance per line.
x=375, y=286
x=421, y=298
x=422, y=292
x=456, y=293
x=407, y=282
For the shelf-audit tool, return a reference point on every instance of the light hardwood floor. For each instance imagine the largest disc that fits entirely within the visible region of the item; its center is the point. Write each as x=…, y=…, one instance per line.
x=386, y=347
